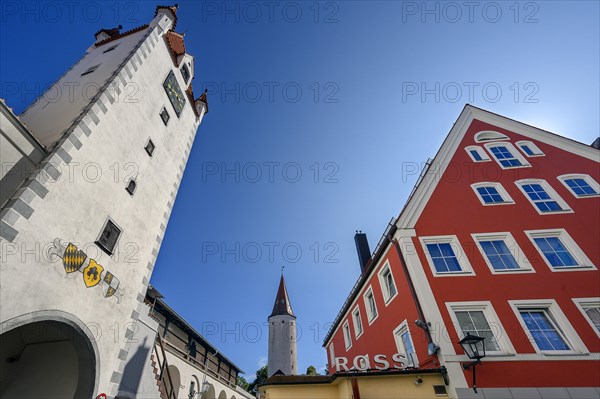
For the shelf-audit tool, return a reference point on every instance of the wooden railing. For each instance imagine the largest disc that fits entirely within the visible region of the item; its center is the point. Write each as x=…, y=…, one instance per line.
x=163, y=366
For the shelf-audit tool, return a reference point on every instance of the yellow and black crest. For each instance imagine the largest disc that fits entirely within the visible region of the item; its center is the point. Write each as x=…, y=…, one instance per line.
x=73, y=258
x=92, y=273
x=109, y=284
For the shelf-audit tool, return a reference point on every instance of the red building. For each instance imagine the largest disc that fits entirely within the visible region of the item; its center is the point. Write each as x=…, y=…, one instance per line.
x=500, y=239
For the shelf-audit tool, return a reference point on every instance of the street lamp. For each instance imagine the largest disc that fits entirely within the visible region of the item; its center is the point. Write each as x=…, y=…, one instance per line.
x=474, y=348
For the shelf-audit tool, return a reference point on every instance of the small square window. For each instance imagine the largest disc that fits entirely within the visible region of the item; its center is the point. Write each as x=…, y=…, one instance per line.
x=477, y=153
x=109, y=237
x=164, y=115
x=445, y=256
x=131, y=186
x=185, y=73
x=150, y=147
x=529, y=148
x=90, y=70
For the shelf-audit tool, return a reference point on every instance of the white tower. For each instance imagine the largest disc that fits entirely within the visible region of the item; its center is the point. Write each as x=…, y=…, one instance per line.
x=282, y=335
x=96, y=165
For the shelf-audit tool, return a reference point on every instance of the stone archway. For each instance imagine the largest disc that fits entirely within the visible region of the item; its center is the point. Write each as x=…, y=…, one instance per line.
x=222, y=395
x=47, y=355
x=175, y=379
x=211, y=393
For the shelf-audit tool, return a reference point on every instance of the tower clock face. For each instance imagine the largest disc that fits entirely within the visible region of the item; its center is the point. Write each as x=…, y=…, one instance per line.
x=174, y=92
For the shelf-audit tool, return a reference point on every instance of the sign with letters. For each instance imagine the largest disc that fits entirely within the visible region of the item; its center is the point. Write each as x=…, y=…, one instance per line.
x=366, y=362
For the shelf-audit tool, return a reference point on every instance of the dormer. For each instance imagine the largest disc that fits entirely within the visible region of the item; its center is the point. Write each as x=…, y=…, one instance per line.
x=201, y=104
x=165, y=17
x=104, y=34
x=186, y=67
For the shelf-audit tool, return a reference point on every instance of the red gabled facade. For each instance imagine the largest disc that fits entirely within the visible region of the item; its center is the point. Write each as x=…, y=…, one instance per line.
x=501, y=239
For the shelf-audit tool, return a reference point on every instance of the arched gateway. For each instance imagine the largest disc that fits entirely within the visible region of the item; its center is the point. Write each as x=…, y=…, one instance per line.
x=47, y=355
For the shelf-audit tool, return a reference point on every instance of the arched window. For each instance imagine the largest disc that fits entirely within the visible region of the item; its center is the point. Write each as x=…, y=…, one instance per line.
x=477, y=153
x=581, y=186
x=542, y=196
x=530, y=149
x=492, y=193
x=489, y=135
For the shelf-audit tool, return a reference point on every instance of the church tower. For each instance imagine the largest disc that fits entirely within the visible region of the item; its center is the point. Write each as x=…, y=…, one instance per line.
x=282, y=335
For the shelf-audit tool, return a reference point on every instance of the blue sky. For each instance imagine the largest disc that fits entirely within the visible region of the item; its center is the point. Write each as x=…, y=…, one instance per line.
x=319, y=113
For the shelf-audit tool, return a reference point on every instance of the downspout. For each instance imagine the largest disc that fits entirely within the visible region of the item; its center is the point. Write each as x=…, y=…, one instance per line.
x=412, y=288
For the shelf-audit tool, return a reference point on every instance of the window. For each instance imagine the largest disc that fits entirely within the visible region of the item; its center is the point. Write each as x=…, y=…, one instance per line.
x=446, y=256
x=489, y=135
x=558, y=250
x=530, y=149
x=347, y=338
x=164, y=115
x=388, y=286
x=548, y=330
x=150, y=147
x=405, y=345
x=590, y=307
x=110, y=49
x=131, y=186
x=477, y=153
x=358, y=327
x=90, y=70
x=185, y=73
x=543, y=197
x=501, y=253
x=581, y=186
x=506, y=155
x=491, y=193
x=479, y=318
x=370, y=305
x=109, y=237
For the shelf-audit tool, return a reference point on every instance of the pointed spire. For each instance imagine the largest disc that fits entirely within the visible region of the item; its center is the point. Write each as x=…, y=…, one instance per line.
x=282, y=304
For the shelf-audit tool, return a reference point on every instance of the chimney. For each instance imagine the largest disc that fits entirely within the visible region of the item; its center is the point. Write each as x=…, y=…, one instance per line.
x=362, y=247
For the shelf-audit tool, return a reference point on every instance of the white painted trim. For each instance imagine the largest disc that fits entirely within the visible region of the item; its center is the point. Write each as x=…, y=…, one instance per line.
x=514, y=152
x=492, y=318
x=357, y=333
x=486, y=136
x=517, y=253
x=484, y=156
x=347, y=334
x=498, y=186
x=370, y=317
x=531, y=145
x=557, y=317
x=588, y=179
x=383, y=284
x=549, y=190
x=397, y=334
x=461, y=256
x=582, y=304
x=584, y=262
x=332, y=354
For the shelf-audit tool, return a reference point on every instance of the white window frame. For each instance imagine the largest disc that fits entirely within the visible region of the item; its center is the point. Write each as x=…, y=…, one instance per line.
x=499, y=187
x=387, y=298
x=549, y=190
x=588, y=179
x=357, y=321
x=347, y=335
x=398, y=331
x=583, y=304
x=557, y=317
x=516, y=154
x=506, y=346
x=484, y=156
x=584, y=262
x=534, y=148
x=515, y=250
x=461, y=256
x=370, y=317
x=489, y=135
